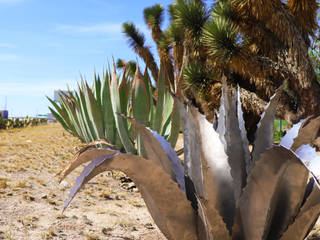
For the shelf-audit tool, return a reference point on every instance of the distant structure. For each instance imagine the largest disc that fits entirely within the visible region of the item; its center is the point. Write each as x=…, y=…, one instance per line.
x=56, y=94
x=4, y=113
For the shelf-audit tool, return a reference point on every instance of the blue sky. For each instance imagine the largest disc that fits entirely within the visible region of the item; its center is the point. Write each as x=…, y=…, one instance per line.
x=45, y=45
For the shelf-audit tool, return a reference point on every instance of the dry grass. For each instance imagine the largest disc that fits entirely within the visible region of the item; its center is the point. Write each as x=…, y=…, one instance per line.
x=31, y=199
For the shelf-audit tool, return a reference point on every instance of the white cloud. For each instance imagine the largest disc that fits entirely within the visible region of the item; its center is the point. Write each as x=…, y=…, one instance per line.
x=9, y=58
x=112, y=31
x=105, y=28
x=31, y=89
x=11, y=1
x=7, y=45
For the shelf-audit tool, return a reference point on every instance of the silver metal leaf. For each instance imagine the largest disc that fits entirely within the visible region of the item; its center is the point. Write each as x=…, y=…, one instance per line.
x=288, y=139
x=310, y=159
x=231, y=136
x=192, y=154
x=173, y=157
x=264, y=134
x=243, y=132
x=221, y=129
x=218, y=183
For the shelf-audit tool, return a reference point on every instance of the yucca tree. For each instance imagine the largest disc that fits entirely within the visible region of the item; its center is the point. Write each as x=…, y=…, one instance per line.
x=221, y=191
x=136, y=40
x=239, y=39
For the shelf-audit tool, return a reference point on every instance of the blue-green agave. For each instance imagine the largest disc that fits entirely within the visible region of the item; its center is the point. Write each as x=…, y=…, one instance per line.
x=93, y=114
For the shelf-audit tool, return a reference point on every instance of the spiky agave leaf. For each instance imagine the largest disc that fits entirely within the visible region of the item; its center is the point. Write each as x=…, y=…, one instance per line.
x=212, y=221
x=174, y=128
x=94, y=112
x=75, y=162
x=207, y=164
x=121, y=123
x=158, y=120
x=308, y=132
x=230, y=135
x=243, y=132
x=260, y=197
x=159, y=150
x=169, y=208
x=61, y=115
x=264, y=133
x=306, y=218
x=293, y=191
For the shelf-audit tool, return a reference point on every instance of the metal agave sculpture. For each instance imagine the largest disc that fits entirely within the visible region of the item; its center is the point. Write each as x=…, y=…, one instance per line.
x=222, y=190
x=92, y=114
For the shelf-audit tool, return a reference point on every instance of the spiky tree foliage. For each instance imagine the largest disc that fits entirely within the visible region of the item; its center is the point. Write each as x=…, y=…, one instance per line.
x=277, y=33
x=136, y=40
x=153, y=17
x=256, y=44
x=128, y=67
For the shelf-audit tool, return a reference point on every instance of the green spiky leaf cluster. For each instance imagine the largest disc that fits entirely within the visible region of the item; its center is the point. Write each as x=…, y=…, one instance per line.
x=93, y=113
x=20, y=123
x=153, y=15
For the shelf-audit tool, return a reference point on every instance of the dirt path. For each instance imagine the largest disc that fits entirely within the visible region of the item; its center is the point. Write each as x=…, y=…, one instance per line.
x=31, y=199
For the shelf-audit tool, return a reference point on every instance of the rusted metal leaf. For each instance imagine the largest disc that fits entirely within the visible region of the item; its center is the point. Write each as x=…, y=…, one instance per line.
x=307, y=133
x=306, y=218
x=215, y=227
x=259, y=200
x=167, y=204
x=76, y=162
x=160, y=152
x=292, y=191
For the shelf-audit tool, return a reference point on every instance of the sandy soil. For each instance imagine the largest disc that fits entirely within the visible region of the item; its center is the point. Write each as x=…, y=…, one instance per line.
x=31, y=200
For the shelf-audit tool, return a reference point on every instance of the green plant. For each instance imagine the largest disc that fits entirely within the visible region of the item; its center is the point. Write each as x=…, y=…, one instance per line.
x=17, y=123
x=254, y=44
x=222, y=191
x=93, y=113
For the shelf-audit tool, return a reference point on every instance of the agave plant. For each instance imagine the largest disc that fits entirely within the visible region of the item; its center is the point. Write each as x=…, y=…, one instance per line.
x=221, y=190
x=93, y=113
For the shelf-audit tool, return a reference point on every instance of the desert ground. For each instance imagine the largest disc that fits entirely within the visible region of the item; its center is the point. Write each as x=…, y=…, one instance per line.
x=31, y=199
